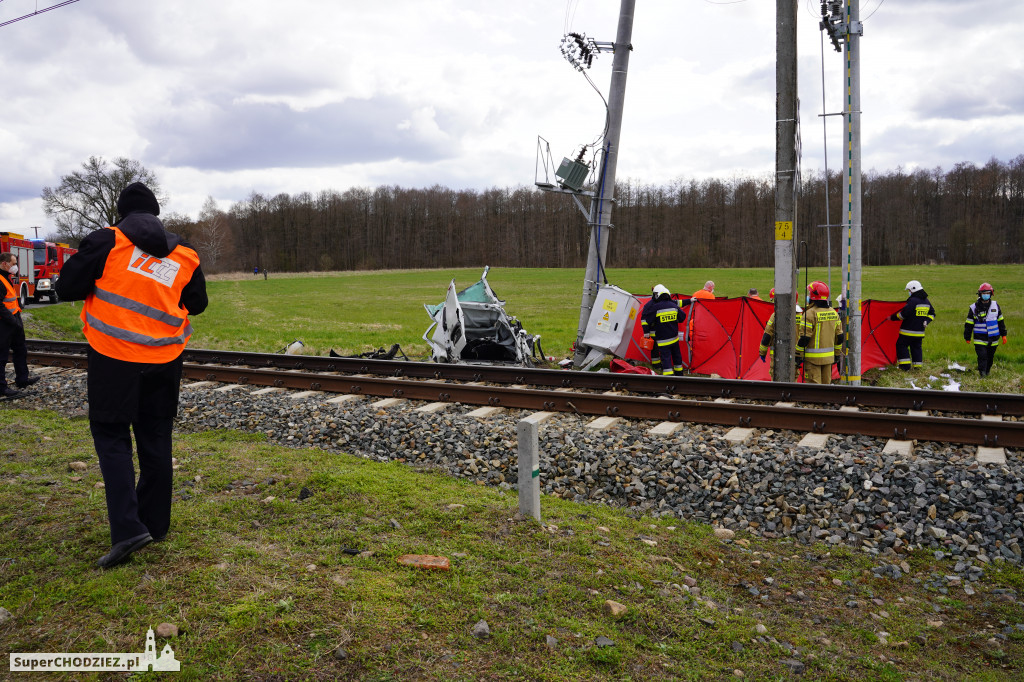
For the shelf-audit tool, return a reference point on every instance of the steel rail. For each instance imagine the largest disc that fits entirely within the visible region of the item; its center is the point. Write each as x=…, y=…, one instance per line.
x=1007, y=404
x=664, y=408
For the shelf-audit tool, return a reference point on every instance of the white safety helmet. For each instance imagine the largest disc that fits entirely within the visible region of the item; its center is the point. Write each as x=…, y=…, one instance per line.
x=913, y=285
x=660, y=289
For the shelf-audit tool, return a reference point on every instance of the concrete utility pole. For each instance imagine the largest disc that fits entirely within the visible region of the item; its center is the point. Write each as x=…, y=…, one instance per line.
x=600, y=217
x=786, y=299
x=854, y=31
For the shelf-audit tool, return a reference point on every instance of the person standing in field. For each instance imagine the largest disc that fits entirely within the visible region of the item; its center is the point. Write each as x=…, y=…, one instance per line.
x=821, y=336
x=915, y=316
x=12, y=332
x=139, y=283
x=985, y=327
x=660, y=320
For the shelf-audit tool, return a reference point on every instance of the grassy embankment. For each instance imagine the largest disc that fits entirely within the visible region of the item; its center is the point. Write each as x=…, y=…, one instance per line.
x=259, y=586
x=353, y=312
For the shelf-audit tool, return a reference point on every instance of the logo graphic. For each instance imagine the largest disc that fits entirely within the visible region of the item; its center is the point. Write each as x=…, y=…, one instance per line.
x=161, y=270
x=93, y=662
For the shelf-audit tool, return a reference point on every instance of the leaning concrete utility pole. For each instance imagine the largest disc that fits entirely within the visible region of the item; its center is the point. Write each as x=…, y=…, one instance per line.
x=854, y=225
x=600, y=217
x=785, y=190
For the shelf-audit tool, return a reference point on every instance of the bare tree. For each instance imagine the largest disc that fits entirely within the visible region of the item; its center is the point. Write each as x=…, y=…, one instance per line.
x=212, y=235
x=86, y=200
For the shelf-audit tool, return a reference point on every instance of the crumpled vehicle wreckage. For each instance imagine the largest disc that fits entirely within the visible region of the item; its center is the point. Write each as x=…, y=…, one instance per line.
x=471, y=326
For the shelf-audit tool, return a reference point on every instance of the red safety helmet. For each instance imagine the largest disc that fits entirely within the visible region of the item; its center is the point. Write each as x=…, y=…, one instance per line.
x=771, y=294
x=985, y=286
x=818, y=291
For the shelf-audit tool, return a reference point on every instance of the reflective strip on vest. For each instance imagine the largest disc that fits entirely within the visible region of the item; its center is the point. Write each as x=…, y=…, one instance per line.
x=906, y=332
x=142, y=309
x=135, y=337
x=668, y=342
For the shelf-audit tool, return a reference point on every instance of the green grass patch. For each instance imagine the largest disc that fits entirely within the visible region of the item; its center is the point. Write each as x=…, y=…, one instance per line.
x=262, y=589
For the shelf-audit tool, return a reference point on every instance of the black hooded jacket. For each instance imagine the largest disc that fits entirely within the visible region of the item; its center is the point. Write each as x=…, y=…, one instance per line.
x=78, y=276
x=916, y=314
x=121, y=391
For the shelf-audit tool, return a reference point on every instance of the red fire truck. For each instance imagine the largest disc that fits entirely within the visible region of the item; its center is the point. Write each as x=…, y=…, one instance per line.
x=39, y=264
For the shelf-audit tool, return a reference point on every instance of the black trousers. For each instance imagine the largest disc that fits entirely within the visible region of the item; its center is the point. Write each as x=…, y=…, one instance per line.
x=908, y=347
x=12, y=345
x=142, y=507
x=986, y=354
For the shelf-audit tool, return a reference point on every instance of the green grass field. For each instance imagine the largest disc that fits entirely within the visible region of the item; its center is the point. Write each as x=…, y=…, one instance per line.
x=258, y=584
x=354, y=312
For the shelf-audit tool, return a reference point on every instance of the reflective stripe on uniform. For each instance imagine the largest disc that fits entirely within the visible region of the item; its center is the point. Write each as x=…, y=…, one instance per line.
x=135, y=337
x=668, y=342
x=140, y=308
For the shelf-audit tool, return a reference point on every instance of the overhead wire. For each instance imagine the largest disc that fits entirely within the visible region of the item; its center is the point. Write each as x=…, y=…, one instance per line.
x=38, y=11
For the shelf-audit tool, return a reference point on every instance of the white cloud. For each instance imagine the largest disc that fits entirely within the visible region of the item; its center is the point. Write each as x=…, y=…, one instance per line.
x=225, y=98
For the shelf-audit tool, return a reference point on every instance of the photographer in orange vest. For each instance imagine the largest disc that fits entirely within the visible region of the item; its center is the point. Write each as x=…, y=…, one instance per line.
x=139, y=283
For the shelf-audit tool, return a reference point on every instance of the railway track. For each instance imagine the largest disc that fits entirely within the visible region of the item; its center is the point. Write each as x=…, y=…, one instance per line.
x=904, y=415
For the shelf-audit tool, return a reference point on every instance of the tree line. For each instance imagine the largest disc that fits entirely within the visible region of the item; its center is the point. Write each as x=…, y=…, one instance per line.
x=969, y=214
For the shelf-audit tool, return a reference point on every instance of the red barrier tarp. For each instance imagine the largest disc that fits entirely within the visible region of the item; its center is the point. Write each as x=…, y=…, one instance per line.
x=727, y=334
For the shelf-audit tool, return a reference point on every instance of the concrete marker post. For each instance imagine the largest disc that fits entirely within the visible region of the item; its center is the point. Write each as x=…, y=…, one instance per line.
x=529, y=468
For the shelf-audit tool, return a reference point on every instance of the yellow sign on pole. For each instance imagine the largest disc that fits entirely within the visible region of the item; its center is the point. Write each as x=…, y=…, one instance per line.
x=784, y=230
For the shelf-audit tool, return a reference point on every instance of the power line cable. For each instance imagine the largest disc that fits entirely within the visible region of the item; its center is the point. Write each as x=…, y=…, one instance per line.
x=38, y=11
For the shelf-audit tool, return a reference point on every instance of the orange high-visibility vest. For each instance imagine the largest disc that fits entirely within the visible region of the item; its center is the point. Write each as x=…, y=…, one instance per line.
x=133, y=314
x=10, y=296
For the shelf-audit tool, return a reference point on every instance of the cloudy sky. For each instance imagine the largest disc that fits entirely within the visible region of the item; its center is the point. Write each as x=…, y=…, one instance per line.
x=225, y=97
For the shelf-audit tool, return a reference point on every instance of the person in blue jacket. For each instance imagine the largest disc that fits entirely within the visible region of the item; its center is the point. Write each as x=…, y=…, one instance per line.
x=985, y=327
x=660, y=320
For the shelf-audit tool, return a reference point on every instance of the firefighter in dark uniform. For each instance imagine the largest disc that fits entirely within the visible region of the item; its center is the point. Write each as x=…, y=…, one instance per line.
x=139, y=283
x=821, y=337
x=915, y=317
x=660, y=320
x=985, y=327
